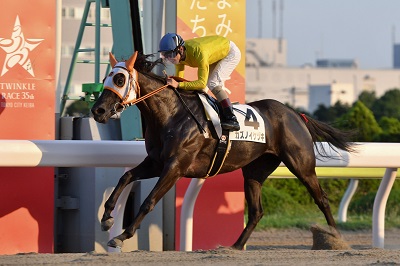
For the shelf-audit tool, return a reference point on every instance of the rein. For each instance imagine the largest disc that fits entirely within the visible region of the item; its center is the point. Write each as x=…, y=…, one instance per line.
x=147, y=95
x=188, y=109
x=157, y=91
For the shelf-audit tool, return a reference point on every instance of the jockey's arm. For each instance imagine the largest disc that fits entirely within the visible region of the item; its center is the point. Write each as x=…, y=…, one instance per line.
x=180, y=70
x=200, y=83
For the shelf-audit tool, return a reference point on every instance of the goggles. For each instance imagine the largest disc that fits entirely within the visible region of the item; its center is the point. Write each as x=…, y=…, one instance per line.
x=169, y=54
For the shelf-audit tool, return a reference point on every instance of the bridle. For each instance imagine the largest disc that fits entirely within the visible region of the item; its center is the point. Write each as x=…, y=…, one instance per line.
x=129, y=92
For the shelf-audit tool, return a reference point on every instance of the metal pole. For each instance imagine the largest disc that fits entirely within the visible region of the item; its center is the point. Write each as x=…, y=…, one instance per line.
x=97, y=44
x=378, y=213
x=186, y=228
x=344, y=203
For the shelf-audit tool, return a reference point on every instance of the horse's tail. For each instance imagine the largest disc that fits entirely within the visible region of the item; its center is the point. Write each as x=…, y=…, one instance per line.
x=321, y=131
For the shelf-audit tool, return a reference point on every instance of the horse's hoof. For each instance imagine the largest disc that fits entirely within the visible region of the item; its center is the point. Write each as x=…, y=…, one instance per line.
x=107, y=224
x=115, y=243
x=327, y=239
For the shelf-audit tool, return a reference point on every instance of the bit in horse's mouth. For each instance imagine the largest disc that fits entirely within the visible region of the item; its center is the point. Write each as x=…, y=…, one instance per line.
x=115, y=116
x=104, y=119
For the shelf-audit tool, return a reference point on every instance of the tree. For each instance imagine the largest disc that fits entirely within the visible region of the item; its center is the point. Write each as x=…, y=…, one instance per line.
x=391, y=129
x=362, y=120
x=388, y=105
x=322, y=113
x=340, y=109
x=368, y=98
x=332, y=113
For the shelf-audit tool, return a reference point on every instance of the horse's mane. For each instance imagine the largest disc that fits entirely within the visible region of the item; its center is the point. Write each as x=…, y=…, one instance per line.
x=145, y=66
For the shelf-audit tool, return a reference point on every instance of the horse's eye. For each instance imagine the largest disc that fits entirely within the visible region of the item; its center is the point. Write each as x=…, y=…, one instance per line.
x=119, y=80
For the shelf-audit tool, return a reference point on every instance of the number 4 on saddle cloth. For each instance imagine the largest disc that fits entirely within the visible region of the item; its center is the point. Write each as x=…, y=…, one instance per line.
x=251, y=129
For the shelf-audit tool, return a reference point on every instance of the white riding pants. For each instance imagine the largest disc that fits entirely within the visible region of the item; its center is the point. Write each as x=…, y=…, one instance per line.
x=223, y=69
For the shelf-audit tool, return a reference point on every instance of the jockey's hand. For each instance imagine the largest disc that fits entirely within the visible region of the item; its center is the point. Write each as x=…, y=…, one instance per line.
x=173, y=83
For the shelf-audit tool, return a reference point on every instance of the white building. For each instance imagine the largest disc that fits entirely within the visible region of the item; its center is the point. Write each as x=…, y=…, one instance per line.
x=330, y=94
x=292, y=84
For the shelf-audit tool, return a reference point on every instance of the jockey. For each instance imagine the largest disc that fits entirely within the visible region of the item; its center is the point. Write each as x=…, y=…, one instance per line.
x=215, y=58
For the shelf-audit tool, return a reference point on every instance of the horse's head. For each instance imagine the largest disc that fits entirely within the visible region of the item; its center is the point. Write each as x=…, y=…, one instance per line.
x=120, y=89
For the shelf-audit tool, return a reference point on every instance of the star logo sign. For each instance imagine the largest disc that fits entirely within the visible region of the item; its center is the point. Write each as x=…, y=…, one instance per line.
x=18, y=49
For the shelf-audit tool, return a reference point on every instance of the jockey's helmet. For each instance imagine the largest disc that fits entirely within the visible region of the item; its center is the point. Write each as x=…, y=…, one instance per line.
x=169, y=45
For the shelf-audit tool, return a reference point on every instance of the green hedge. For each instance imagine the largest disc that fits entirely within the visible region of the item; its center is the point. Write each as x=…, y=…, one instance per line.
x=296, y=192
x=285, y=193
x=287, y=203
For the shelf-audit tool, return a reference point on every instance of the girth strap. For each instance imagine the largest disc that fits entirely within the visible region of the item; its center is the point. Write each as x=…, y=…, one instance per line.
x=221, y=152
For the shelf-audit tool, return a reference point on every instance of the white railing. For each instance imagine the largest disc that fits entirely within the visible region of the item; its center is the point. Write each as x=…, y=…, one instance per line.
x=372, y=155
x=71, y=153
x=81, y=153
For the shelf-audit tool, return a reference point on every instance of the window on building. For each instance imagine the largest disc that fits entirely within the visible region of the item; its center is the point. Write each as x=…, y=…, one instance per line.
x=105, y=14
x=71, y=12
x=71, y=50
x=105, y=51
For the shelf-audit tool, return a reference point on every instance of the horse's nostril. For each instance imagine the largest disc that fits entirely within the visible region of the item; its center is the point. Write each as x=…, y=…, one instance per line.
x=98, y=111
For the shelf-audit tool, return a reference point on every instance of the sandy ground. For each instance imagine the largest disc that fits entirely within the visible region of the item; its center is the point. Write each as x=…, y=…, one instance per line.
x=271, y=247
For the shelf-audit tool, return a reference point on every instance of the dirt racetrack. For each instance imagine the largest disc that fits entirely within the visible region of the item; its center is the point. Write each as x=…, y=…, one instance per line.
x=271, y=247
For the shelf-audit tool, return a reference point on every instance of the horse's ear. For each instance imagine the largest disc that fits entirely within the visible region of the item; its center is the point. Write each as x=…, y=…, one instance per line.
x=131, y=61
x=113, y=61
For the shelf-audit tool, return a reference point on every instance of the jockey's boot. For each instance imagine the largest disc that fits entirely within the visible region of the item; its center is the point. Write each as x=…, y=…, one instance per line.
x=229, y=121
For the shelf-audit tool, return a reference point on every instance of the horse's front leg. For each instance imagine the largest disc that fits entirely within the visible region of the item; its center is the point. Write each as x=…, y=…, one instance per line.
x=164, y=184
x=144, y=170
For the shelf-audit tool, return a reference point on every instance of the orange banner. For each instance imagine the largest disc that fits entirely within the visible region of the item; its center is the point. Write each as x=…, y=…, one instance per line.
x=27, y=111
x=197, y=18
x=27, y=70
x=219, y=210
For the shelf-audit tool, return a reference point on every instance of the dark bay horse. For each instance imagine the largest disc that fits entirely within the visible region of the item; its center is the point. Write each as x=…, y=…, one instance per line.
x=176, y=147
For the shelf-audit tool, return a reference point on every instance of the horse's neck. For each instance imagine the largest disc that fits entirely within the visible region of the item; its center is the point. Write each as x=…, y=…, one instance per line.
x=165, y=106
x=161, y=105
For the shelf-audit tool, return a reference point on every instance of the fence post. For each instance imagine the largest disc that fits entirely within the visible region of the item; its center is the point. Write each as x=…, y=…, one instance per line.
x=378, y=213
x=344, y=203
x=186, y=230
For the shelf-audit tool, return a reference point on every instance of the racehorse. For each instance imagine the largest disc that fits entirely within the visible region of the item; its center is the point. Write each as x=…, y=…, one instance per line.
x=177, y=147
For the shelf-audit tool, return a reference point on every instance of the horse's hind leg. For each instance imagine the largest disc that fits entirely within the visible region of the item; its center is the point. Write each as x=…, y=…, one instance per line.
x=255, y=174
x=144, y=170
x=303, y=167
x=320, y=197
